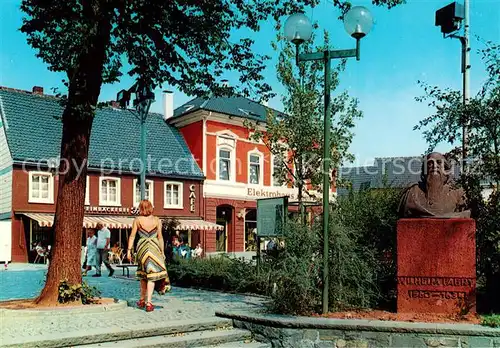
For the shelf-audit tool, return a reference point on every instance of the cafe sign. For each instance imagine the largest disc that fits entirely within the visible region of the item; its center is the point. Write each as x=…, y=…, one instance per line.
x=192, y=198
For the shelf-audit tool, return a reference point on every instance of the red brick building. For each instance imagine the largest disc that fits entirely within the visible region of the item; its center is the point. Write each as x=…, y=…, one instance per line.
x=30, y=136
x=238, y=170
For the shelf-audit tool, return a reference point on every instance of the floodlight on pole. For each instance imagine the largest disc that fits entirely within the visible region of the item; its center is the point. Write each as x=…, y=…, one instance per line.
x=450, y=19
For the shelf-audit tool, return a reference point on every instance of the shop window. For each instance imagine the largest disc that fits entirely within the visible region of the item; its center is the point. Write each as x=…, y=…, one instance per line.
x=251, y=230
x=224, y=164
x=149, y=191
x=254, y=169
x=173, y=195
x=41, y=187
x=109, y=193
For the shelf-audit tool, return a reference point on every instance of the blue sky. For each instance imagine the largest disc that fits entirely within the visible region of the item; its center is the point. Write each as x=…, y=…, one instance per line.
x=403, y=47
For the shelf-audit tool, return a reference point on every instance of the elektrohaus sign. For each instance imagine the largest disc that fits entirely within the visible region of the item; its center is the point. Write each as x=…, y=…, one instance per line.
x=263, y=193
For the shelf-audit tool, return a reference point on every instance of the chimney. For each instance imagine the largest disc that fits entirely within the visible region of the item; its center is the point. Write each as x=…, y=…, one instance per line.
x=114, y=104
x=168, y=104
x=37, y=90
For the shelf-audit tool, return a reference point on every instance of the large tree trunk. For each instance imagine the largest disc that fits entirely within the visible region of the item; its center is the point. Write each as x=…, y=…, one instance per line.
x=84, y=88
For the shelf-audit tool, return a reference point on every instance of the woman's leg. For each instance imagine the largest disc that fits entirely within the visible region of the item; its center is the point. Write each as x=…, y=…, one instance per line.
x=143, y=289
x=151, y=287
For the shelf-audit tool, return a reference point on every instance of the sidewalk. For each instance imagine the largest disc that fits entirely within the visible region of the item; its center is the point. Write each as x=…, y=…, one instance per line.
x=179, y=304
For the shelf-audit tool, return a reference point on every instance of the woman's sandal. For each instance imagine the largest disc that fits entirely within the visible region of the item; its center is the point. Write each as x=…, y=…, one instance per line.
x=149, y=307
x=141, y=303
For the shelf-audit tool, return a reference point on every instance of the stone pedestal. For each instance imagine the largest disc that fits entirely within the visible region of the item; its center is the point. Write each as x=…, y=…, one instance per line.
x=436, y=265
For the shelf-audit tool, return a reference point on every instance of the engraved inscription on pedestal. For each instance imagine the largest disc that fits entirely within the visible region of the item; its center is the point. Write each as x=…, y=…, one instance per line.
x=434, y=279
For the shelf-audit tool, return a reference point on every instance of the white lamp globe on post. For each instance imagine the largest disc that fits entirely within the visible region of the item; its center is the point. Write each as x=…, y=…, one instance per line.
x=358, y=22
x=298, y=28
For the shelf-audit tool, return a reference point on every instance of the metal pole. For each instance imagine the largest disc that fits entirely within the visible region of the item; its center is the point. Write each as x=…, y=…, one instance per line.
x=143, y=153
x=326, y=179
x=143, y=114
x=465, y=72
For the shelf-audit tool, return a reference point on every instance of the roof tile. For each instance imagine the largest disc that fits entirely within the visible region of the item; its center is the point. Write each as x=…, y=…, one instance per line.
x=34, y=133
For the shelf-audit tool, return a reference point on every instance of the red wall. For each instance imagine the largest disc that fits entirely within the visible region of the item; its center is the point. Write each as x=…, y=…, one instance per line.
x=193, y=135
x=236, y=236
x=242, y=149
x=20, y=185
x=20, y=197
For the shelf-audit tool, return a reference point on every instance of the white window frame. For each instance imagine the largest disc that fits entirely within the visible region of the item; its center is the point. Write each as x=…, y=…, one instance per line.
x=50, y=198
x=256, y=152
x=87, y=191
x=137, y=199
x=181, y=195
x=273, y=157
x=118, y=192
x=232, y=167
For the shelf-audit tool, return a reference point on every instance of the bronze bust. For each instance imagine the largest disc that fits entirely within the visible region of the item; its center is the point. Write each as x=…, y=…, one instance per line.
x=435, y=195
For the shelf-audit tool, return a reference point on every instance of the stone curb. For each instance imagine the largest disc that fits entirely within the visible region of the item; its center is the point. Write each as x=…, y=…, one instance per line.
x=246, y=294
x=5, y=314
x=281, y=321
x=115, y=333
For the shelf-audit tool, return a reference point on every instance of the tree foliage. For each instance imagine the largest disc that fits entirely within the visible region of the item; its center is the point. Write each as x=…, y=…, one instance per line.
x=482, y=115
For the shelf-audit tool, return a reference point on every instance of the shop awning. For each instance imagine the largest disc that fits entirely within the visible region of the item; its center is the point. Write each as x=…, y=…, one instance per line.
x=198, y=225
x=89, y=221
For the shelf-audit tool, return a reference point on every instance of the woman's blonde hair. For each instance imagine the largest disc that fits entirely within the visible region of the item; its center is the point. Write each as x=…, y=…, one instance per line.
x=145, y=208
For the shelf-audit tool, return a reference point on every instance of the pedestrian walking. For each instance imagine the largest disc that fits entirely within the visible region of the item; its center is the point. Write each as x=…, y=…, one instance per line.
x=91, y=254
x=103, y=246
x=151, y=269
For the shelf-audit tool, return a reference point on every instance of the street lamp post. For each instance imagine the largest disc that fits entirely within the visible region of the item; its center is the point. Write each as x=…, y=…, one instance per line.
x=144, y=96
x=298, y=29
x=450, y=19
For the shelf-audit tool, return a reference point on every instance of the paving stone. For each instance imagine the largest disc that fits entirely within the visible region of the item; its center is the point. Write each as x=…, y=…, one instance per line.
x=311, y=335
x=341, y=343
x=449, y=342
x=432, y=342
x=357, y=344
x=377, y=339
x=408, y=341
x=179, y=304
x=476, y=342
x=330, y=335
x=324, y=344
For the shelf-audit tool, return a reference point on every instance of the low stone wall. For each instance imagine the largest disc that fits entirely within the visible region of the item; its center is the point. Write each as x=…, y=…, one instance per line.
x=306, y=332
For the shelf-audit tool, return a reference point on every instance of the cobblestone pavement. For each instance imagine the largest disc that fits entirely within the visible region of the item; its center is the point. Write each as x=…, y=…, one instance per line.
x=180, y=303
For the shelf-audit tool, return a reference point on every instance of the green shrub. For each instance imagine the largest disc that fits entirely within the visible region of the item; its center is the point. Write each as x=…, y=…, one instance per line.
x=294, y=273
x=353, y=270
x=361, y=260
x=78, y=292
x=491, y=320
x=372, y=217
x=218, y=273
x=487, y=216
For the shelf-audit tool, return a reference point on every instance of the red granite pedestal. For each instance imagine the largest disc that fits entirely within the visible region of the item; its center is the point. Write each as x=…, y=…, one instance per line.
x=436, y=266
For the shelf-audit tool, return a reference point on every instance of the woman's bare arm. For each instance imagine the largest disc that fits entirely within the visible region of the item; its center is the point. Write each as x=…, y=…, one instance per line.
x=132, y=237
x=160, y=237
